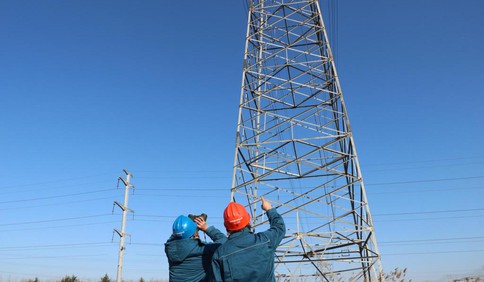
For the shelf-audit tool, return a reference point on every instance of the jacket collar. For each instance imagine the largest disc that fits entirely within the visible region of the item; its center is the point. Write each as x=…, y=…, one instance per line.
x=242, y=232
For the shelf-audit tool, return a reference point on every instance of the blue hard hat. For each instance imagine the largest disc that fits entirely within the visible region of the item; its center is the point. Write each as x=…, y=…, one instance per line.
x=184, y=227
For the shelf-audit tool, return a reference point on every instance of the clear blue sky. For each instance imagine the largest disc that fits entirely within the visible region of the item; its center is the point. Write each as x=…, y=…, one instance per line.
x=88, y=88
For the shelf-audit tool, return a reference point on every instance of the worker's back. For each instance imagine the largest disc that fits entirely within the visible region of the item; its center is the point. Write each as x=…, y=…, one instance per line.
x=247, y=256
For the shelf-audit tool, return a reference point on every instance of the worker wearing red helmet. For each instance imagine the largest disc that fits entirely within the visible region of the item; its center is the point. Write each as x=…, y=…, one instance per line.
x=248, y=256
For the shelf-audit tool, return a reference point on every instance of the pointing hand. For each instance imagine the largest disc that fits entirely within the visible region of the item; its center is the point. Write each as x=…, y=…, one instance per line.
x=265, y=204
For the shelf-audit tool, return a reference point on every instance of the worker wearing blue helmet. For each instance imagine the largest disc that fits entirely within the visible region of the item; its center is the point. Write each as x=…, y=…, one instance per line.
x=190, y=258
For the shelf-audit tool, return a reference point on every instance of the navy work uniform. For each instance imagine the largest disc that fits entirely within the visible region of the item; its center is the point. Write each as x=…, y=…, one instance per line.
x=247, y=256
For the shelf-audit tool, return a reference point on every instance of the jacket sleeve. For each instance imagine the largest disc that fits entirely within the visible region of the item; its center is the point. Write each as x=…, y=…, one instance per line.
x=217, y=269
x=216, y=235
x=218, y=239
x=277, y=230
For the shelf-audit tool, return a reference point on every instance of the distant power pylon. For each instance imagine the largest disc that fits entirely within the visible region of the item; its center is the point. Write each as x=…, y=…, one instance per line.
x=122, y=233
x=295, y=147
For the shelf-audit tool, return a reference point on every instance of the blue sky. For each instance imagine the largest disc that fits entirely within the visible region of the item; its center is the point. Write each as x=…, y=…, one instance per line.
x=88, y=88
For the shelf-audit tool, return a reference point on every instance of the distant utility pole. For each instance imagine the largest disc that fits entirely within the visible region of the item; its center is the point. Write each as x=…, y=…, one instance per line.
x=122, y=233
x=295, y=147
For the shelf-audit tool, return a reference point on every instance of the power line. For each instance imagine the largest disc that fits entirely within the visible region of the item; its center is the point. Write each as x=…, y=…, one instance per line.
x=430, y=253
x=57, y=196
x=203, y=196
x=387, y=214
x=428, y=212
x=72, y=245
x=59, y=256
x=184, y=170
x=443, y=240
x=182, y=196
x=426, y=161
x=184, y=177
x=424, y=180
x=56, y=246
x=366, y=184
x=54, y=181
x=56, y=204
x=216, y=171
x=224, y=189
x=430, y=219
x=60, y=226
x=54, y=220
x=184, y=189
x=103, y=244
x=427, y=190
x=218, y=217
x=421, y=167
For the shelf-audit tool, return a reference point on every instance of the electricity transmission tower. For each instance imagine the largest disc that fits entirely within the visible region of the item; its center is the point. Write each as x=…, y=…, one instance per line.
x=122, y=233
x=295, y=147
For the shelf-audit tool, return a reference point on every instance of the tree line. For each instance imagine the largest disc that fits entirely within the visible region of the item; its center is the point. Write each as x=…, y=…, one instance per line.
x=74, y=278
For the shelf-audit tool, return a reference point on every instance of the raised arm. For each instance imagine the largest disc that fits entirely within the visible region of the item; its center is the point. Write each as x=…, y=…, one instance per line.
x=277, y=228
x=216, y=235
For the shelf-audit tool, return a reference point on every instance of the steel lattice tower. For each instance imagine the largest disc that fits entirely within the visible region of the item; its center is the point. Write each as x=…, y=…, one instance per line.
x=295, y=147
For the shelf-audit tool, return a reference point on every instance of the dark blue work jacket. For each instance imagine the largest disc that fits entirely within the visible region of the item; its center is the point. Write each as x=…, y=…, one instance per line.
x=190, y=259
x=247, y=256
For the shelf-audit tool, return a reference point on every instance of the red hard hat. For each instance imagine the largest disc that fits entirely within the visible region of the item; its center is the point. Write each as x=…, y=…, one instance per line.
x=236, y=217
